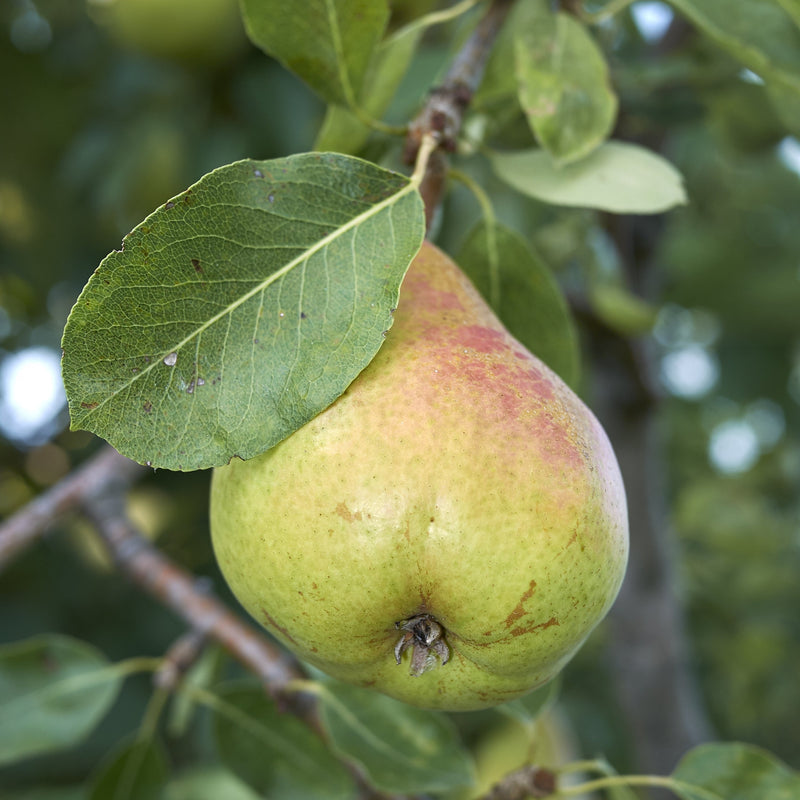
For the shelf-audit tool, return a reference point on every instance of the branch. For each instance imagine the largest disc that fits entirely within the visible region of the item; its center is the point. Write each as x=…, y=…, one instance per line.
x=443, y=113
x=105, y=471
x=185, y=595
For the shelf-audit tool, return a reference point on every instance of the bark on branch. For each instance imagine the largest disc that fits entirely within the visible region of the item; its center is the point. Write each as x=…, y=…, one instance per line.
x=443, y=113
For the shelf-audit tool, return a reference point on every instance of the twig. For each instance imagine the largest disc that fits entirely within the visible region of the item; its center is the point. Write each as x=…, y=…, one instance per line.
x=178, y=590
x=525, y=783
x=106, y=470
x=179, y=659
x=443, y=112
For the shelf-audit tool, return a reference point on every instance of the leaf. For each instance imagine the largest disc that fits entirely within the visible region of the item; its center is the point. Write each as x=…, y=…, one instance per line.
x=327, y=43
x=240, y=309
x=792, y=8
x=523, y=293
x=208, y=783
x=733, y=771
x=617, y=176
x=563, y=83
x=528, y=708
x=53, y=691
x=402, y=749
x=275, y=753
x=135, y=771
x=760, y=34
x=621, y=310
x=342, y=131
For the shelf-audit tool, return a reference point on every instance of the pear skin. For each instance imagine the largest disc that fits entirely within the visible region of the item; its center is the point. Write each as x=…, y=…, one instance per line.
x=458, y=509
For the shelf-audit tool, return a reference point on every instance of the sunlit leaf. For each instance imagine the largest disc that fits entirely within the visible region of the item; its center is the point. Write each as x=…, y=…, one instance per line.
x=240, y=309
x=327, y=43
x=273, y=752
x=523, y=293
x=733, y=771
x=617, y=176
x=402, y=749
x=53, y=691
x=563, y=83
x=135, y=771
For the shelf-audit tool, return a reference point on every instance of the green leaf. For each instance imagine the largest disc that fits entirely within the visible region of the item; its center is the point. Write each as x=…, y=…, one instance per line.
x=275, y=753
x=342, y=131
x=240, y=309
x=135, y=771
x=53, y=691
x=208, y=783
x=617, y=176
x=621, y=310
x=532, y=705
x=792, y=8
x=733, y=771
x=760, y=34
x=402, y=749
x=523, y=293
x=327, y=43
x=563, y=83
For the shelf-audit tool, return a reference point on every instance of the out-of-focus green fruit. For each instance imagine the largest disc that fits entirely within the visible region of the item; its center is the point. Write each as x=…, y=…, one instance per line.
x=204, y=31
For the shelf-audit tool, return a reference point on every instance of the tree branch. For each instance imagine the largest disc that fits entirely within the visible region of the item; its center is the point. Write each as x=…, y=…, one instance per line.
x=443, y=113
x=105, y=471
x=178, y=590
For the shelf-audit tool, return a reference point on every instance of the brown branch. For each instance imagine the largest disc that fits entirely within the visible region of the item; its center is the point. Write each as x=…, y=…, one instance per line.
x=443, y=112
x=152, y=571
x=528, y=782
x=105, y=471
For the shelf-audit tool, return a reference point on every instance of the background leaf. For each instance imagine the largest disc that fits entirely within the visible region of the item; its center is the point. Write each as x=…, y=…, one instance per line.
x=53, y=691
x=240, y=309
x=760, y=34
x=523, y=293
x=738, y=772
x=275, y=753
x=327, y=43
x=528, y=708
x=208, y=783
x=617, y=176
x=342, y=131
x=563, y=82
x=135, y=771
x=401, y=748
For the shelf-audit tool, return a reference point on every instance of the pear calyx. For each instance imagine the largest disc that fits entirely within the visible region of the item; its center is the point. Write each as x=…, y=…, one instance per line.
x=426, y=638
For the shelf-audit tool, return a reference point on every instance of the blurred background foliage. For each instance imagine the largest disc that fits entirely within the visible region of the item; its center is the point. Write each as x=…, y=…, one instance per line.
x=110, y=108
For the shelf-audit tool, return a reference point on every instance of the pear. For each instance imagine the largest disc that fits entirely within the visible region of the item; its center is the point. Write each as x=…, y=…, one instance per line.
x=450, y=530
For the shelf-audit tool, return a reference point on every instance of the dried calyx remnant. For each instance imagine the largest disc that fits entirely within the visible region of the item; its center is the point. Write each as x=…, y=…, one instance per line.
x=425, y=636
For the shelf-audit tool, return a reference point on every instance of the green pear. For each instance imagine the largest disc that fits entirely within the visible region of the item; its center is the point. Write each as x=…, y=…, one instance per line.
x=450, y=530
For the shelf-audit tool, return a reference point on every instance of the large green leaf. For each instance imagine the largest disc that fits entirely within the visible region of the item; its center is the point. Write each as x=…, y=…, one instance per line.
x=792, y=7
x=327, y=43
x=136, y=770
x=209, y=783
x=563, y=82
x=523, y=293
x=733, y=771
x=617, y=176
x=760, y=34
x=402, y=749
x=53, y=691
x=273, y=752
x=240, y=309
